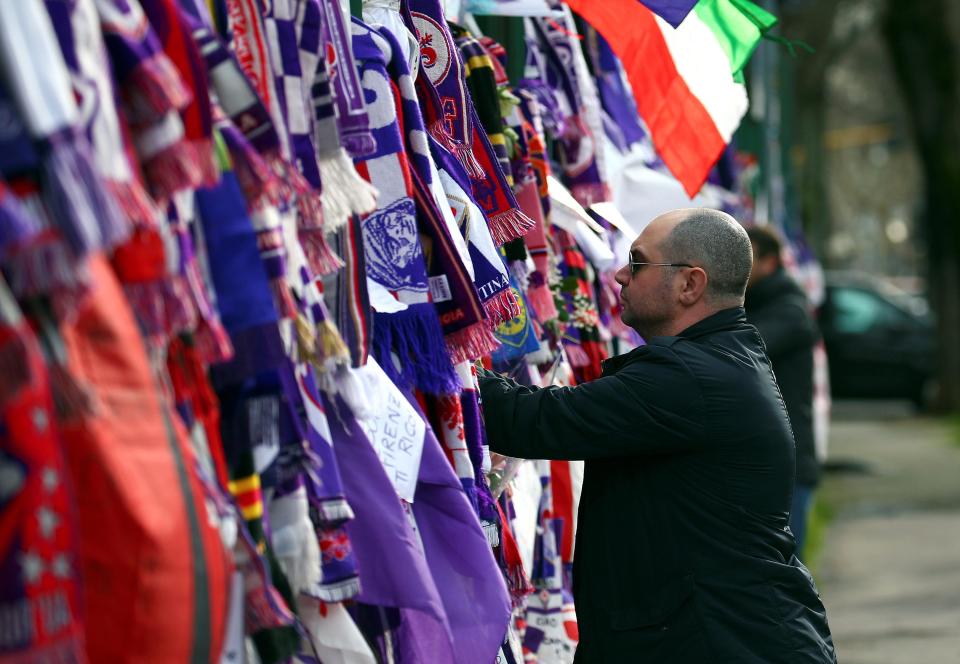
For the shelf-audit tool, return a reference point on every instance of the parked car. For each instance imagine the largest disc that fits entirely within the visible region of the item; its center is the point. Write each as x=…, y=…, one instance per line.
x=880, y=341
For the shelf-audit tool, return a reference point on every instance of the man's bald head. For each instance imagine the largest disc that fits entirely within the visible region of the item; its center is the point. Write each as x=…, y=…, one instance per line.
x=714, y=241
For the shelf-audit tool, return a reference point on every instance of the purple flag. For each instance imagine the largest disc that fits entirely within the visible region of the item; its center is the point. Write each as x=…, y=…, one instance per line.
x=471, y=585
x=671, y=11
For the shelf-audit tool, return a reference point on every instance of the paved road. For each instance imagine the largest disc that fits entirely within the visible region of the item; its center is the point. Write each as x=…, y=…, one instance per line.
x=889, y=569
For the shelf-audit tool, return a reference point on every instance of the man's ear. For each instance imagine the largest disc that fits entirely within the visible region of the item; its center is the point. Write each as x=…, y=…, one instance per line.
x=693, y=287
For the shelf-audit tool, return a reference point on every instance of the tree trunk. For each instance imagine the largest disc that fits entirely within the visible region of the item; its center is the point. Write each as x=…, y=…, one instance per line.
x=925, y=60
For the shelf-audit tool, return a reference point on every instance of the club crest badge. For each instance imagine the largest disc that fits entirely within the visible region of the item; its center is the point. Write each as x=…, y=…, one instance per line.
x=435, y=48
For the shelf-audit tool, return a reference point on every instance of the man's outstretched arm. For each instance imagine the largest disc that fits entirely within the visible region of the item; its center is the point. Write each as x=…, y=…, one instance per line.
x=628, y=414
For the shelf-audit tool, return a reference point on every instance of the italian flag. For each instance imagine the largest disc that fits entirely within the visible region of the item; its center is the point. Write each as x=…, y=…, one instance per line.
x=688, y=80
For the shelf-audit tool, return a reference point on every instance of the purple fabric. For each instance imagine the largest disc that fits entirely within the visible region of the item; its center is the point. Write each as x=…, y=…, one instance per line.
x=470, y=583
x=352, y=118
x=671, y=11
x=393, y=570
x=620, y=115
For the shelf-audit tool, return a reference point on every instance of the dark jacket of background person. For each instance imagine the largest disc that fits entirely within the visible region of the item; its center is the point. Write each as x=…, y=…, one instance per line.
x=681, y=549
x=778, y=308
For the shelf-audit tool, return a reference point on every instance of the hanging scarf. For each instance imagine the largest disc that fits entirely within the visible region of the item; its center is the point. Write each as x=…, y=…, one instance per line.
x=442, y=88
x=246, y=305
x=484, y=92
x=247, y=127
x=518, y=335
x=406, y=319
x=353, y=121
x=478, y=450
x=42, y=138
x=344, y=191
x=38, y=519
x=490, y=275
x=565, y=71
x=150, y=85
x=354, y=318
x=167, y=171
x=621, y=122
x=582, y=336
x=78, y=31
x=16, y=226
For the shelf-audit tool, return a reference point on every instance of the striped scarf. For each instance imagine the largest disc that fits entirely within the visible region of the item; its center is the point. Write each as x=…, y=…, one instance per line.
x=406, y=320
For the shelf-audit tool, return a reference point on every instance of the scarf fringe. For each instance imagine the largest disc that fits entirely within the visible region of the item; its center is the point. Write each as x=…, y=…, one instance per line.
x=331, y=348
x=257, y=179
x=282, y=299
x=492, y=533
x=319, y=255
x=337, y=591
x=333, y=511
x=501, y=307
x=508, y=226
x=588, y=193
x=541, y=299
x=416, y=337
x=543, y=355
x=471, y=343
x=344, y=192
x=173, y=169
x=77, y=200
x=154, y=88
x=163, y=307
x=136, y=204
x=44, y=266
x=212, y=342
x=576, y=356
x=14, y=367
x=464, y=154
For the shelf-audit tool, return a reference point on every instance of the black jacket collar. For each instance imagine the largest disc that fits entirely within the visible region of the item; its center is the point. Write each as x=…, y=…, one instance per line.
x=725, y=319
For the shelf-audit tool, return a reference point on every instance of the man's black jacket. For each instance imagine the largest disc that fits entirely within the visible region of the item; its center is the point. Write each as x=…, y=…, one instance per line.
x=779, y=310
x=681, y=550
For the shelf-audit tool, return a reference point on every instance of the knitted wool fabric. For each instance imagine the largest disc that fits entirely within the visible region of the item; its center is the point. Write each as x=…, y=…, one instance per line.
x=406, y=321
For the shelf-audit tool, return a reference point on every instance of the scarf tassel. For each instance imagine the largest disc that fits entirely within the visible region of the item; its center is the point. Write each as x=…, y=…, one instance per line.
x=163, y=306
x=508, y=226
x=462, y=151
x=258, y=181
x=282, y=299
x=212, y=342
x=492, y=532
x=337, y=591
x=319, y=255
x=154, y=88
x=135, y=203
x=501, y=307
x=333, y=512
x=76, y=198
x=471, y=342
x=344, y=192
x=174, y=168
x=414, y=335
x=44, y=266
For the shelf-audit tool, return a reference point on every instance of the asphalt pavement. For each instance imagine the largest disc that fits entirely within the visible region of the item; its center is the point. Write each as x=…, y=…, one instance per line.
x=889, y=567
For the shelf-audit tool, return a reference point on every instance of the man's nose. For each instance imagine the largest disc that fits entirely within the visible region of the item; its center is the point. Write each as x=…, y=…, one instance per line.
x=623, y=275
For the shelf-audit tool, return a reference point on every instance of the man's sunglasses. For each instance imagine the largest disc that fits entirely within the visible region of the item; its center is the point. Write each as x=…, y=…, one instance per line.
x=635, y=265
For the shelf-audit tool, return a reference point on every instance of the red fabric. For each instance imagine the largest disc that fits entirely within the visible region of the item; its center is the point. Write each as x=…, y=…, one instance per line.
x=38, y=526
x=156, y=575
x=190, y=385
x=683, y=133
x=562, y=487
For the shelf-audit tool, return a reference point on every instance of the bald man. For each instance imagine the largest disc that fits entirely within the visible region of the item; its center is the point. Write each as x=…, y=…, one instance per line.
x=682, y=549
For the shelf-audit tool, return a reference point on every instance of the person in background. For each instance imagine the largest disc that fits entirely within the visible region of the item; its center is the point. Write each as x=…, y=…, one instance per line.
x=683, y=554
x=778, y=308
